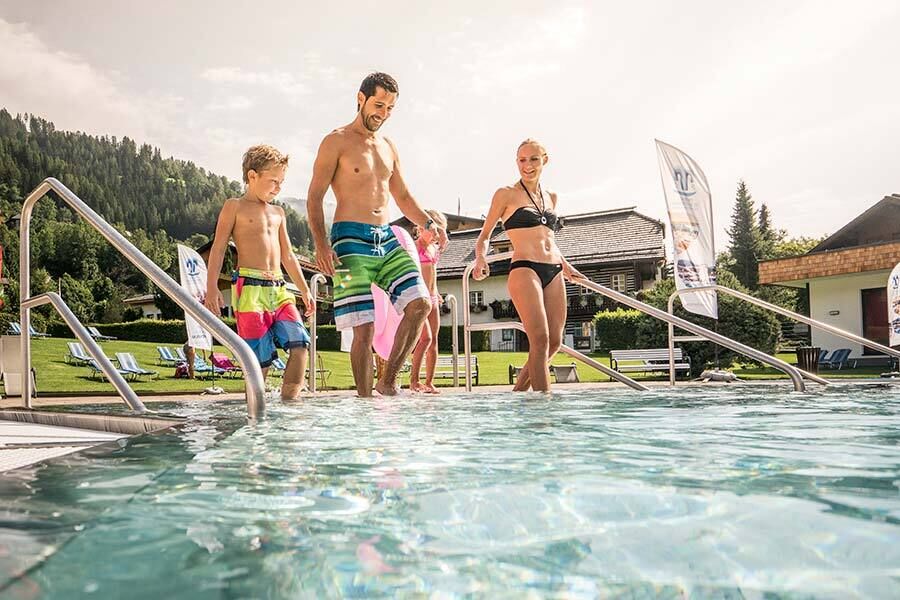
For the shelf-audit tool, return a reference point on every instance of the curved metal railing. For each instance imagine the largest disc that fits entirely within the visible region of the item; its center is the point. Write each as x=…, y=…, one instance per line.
x=314, y=291
x=792, y=372
x=254, y=382
x=776, y=309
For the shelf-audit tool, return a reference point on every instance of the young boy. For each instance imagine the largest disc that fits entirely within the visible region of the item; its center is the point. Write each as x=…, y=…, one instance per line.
x=265, y=311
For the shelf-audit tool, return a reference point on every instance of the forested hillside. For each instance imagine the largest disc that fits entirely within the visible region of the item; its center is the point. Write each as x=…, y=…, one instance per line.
x=126, y=183
x=155, y=201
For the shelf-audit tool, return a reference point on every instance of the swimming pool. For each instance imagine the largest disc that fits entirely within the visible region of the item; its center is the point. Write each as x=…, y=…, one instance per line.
x=700, y=492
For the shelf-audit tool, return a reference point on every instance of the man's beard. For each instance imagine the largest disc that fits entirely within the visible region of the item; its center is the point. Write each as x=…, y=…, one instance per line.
x=371, y=124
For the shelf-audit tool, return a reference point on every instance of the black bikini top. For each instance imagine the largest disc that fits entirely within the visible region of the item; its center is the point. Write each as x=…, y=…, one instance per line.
x=525, y=216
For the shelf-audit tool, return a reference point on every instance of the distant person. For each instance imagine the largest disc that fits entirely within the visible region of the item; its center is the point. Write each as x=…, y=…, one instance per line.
x=363, y=169
x=528, y=213
x=427, y=347
x=190, y=357
x=265, y=311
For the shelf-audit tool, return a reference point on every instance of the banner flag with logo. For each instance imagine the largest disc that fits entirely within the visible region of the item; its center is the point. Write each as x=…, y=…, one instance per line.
x=893, y=305
x=689, y=205
x=193, y=278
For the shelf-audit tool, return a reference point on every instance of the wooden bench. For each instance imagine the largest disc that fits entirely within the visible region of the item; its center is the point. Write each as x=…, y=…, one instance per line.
x=652, y=360
x=562, y=373
x=443, y=368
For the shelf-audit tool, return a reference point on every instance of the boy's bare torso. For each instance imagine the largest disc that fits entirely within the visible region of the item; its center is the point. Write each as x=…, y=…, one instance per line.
x=361, y=181
x=255, y=233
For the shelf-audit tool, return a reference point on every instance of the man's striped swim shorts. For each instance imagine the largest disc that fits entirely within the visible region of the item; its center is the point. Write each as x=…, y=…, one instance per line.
x=371, y=254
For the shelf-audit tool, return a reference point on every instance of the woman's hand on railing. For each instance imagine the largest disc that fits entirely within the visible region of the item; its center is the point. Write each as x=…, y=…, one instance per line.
x=481, y=269
x=570, y=272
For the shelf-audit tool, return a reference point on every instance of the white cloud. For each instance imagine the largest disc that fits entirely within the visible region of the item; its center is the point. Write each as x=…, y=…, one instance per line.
x=73, y=94
x=279, y=81
x=231, y=103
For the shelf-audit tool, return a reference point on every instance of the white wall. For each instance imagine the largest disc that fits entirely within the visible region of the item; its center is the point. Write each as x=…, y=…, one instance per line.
x=494, y=288
x=842, y=294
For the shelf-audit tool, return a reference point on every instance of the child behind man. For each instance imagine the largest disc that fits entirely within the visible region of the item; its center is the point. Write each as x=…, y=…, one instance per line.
x=427, y=346
x=267, y=317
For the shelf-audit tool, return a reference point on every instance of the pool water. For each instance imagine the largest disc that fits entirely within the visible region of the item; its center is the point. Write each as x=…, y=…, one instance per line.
x=704, y=492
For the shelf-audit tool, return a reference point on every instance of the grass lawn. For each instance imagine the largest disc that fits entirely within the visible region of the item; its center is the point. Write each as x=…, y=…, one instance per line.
x=55, y=376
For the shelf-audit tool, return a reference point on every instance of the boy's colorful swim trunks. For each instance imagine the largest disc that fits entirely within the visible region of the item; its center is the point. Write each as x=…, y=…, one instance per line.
x=371, y=254
x=266, y=314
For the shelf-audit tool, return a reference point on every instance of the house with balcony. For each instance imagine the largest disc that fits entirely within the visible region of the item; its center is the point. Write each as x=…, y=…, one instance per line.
x=846, y=276
x=621, y=249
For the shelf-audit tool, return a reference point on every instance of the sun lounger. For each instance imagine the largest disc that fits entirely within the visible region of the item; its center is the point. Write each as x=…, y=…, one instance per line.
x=99, y=336
x=224, y=363
x=96, y=370
x=166, y=357
x=77, y=354
x=127, y=362
x=838, y=360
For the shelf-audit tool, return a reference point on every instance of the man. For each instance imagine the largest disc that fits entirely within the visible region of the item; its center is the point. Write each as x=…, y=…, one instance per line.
x=363, y=169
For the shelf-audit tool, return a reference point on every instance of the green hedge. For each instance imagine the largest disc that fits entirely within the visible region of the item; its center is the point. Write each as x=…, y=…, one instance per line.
x=481, y=340
x=173, y=332
x=617, y=330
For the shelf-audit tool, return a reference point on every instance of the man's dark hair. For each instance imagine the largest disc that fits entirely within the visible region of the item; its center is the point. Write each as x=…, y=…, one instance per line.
x=375, y=80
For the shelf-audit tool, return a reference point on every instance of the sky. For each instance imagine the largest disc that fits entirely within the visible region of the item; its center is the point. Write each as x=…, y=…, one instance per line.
x=800, y=99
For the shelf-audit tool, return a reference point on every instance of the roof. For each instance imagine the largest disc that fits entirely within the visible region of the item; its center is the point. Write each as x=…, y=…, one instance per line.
x=609, y=236
x=142, y=299
x=878, y=224
x=454, y=222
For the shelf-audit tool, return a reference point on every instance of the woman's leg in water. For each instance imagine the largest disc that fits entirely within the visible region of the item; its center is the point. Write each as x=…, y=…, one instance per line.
x=527, y=296
x=556, y=308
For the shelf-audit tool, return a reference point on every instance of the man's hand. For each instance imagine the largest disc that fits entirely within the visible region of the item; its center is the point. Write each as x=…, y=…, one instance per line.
x=310, y=303
x=326, y=258
x=214, y=302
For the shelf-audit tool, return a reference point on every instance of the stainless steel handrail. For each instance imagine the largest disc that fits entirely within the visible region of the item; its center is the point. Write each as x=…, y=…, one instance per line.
x=313, y=345
x=793, y=372
x=91, y=346
x=254, y=383
x=781, y=311
x=468, y=328
x=454, y=329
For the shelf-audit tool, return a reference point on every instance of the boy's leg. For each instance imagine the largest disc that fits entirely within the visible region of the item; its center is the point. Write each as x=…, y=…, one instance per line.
x=293, y=373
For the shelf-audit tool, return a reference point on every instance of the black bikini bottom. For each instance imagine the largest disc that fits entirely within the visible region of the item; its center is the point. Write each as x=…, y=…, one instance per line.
x=546, y=272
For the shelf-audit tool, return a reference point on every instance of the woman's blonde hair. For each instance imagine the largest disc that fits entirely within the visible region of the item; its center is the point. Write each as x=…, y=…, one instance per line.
x=533, y=142
x=438, y=217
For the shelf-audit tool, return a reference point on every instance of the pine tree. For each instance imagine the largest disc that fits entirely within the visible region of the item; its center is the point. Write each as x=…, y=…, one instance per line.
x=745, y=240
x=768, y=236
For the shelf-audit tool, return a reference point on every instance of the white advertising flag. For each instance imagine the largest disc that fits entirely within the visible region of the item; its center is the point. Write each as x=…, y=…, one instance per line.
x=193, y=279
x=691, y=223
x=893, y=305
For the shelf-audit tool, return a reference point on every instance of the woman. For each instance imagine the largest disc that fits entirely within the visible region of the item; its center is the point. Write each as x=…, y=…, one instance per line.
x=538, y=292
x=427, y=347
